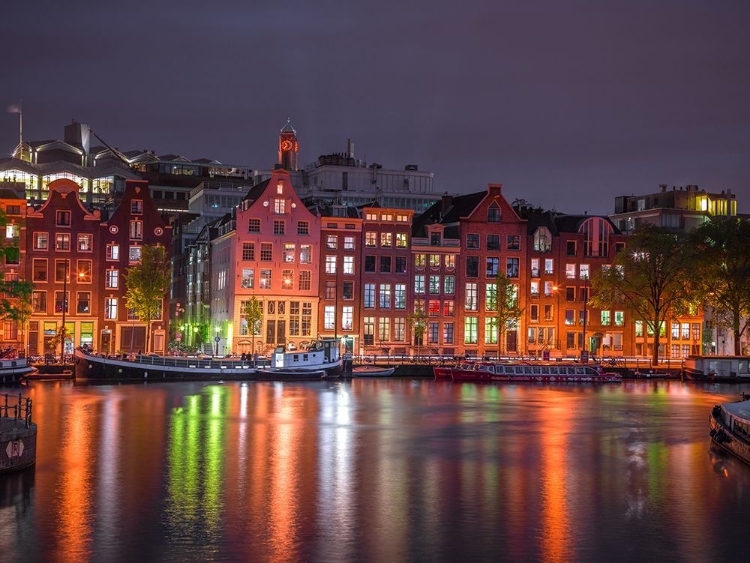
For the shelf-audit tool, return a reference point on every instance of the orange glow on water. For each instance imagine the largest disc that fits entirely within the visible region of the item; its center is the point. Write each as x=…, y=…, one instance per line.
x=555, y=427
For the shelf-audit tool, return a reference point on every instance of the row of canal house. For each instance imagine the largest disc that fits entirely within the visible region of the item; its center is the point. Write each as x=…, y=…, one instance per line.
x=327, y=271
x=333, y=271
x=77, y=260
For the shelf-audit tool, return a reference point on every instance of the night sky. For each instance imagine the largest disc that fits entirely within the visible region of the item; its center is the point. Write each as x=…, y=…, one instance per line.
x=567, y=103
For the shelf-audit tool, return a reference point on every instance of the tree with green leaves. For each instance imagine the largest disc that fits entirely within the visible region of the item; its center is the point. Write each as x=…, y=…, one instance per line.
x=418, y=323
x=16, y=307
x=254, y=317
x=722, y=272
x=503, y=307
x=651, y=280
x=147, y=283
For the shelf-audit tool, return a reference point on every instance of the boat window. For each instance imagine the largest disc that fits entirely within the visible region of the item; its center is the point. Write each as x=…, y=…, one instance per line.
x=553, y=370
x=527, y=370
x=571, y=371
x=537, y=370
x=743, y=366
x=500, y=369
x=491, y=369
x=580, y=371
x=304, y=357
x=519, y=370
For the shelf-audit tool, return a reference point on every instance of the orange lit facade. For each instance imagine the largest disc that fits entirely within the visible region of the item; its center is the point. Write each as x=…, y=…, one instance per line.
x=387, y=281
x=341, y=276
x=269, y=248
x=14, y=259
x=77, y=261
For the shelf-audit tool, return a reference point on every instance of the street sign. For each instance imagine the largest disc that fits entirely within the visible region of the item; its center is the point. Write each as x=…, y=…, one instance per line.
x=217, y=339
x=15, y=448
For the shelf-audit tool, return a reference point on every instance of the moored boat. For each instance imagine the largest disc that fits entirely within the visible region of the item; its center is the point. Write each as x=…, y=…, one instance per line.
x=719, y=369
x=533, y=372
x=372, y=371
x=322, y=355
x=291, y=374
x=13, y=370
x=730, y=428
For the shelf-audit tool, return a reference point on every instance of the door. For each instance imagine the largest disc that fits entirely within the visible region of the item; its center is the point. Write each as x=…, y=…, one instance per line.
x=106, y=342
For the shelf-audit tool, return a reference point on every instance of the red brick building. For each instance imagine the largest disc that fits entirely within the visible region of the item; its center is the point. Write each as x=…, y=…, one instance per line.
x=77, y=263
x=341, y=275
x=387, y=281
x=14, y=259
x=133, y=224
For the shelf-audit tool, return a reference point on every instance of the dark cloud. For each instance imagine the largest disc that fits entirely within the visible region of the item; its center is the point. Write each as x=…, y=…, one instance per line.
x=568, y=104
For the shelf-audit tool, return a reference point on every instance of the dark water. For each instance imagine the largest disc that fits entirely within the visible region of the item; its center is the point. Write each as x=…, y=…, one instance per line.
x=404, y=470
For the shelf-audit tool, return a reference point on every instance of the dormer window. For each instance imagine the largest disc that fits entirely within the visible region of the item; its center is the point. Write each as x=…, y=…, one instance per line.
x=279, y=206
x=280, y=187
x=136, y=206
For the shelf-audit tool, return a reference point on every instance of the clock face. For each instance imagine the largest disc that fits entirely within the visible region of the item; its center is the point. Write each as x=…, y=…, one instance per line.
x=286, y=145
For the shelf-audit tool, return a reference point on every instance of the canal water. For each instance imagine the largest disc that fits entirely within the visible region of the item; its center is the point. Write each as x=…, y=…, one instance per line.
x=381, y=471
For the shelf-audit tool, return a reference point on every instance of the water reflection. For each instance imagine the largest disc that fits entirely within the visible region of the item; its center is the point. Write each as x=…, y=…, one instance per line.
x=375, y=470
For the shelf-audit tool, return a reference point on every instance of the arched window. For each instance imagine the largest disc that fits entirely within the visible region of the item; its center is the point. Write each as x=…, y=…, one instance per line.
x=493, y=213
x=542, y=240
x=596, y=232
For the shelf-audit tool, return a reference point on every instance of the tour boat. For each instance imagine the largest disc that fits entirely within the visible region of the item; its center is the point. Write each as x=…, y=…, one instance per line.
x=442, y=372
x=372, y=371
x=533, y=372
x=719, y=369
x=730, y=427
x=320, y=355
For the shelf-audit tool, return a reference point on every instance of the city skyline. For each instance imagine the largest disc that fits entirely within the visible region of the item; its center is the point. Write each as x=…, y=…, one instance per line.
x=567, y=108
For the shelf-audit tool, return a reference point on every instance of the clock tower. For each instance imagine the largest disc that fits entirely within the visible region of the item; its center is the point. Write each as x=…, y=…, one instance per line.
x=288, y=147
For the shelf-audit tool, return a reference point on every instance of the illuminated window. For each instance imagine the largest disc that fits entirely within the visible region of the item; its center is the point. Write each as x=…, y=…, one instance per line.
x=111, y=279
x=490, y=330
x=330, y=264
x=279, y=205
x=384, y=329
x=287, y=279
x=248, y=278
x=110, y=308
x=41, y=241
x=39, y=301
x=399, y=296
x=265, y=279
x=419, y=284
x=385, y=296
x=134, y=254
x=136, y=230
x=450, y=261
x=332, y=242
x=349, y=265
x=83, y=302
x=347, y=317
x=62, y=241
x=371, y=238
x=290, y=250
x=420, y=260
x=348, y=243
x=305, y=254
x=386, y=240
x=85, y=242
x=136, y=206
x=434, y=285
x=471, y=297
x=401, y=240
x=113, y=252
x=369, y=296
x=449, y=285
x=470, y=330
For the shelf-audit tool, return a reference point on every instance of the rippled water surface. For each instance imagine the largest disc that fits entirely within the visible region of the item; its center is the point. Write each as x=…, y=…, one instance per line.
x=398, y=470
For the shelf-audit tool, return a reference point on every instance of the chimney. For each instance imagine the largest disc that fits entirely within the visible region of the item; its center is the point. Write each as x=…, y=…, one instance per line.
x=349, y=148
x=446, y=203
x=663, y=188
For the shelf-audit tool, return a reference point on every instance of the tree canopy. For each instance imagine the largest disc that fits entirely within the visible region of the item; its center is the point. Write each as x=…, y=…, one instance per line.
x=651, y=280
x=147, y=283
x=722, y=272
x=503, y=308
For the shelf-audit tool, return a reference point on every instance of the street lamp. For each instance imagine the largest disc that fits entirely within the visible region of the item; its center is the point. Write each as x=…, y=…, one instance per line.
x=584, y=353
x=556, y=289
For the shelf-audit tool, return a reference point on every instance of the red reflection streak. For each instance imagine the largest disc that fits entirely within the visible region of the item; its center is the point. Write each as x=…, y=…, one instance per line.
x=74, y=488
x=555, y=425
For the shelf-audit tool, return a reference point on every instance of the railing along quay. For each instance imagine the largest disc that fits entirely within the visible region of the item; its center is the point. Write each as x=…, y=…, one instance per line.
x=17, y=433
